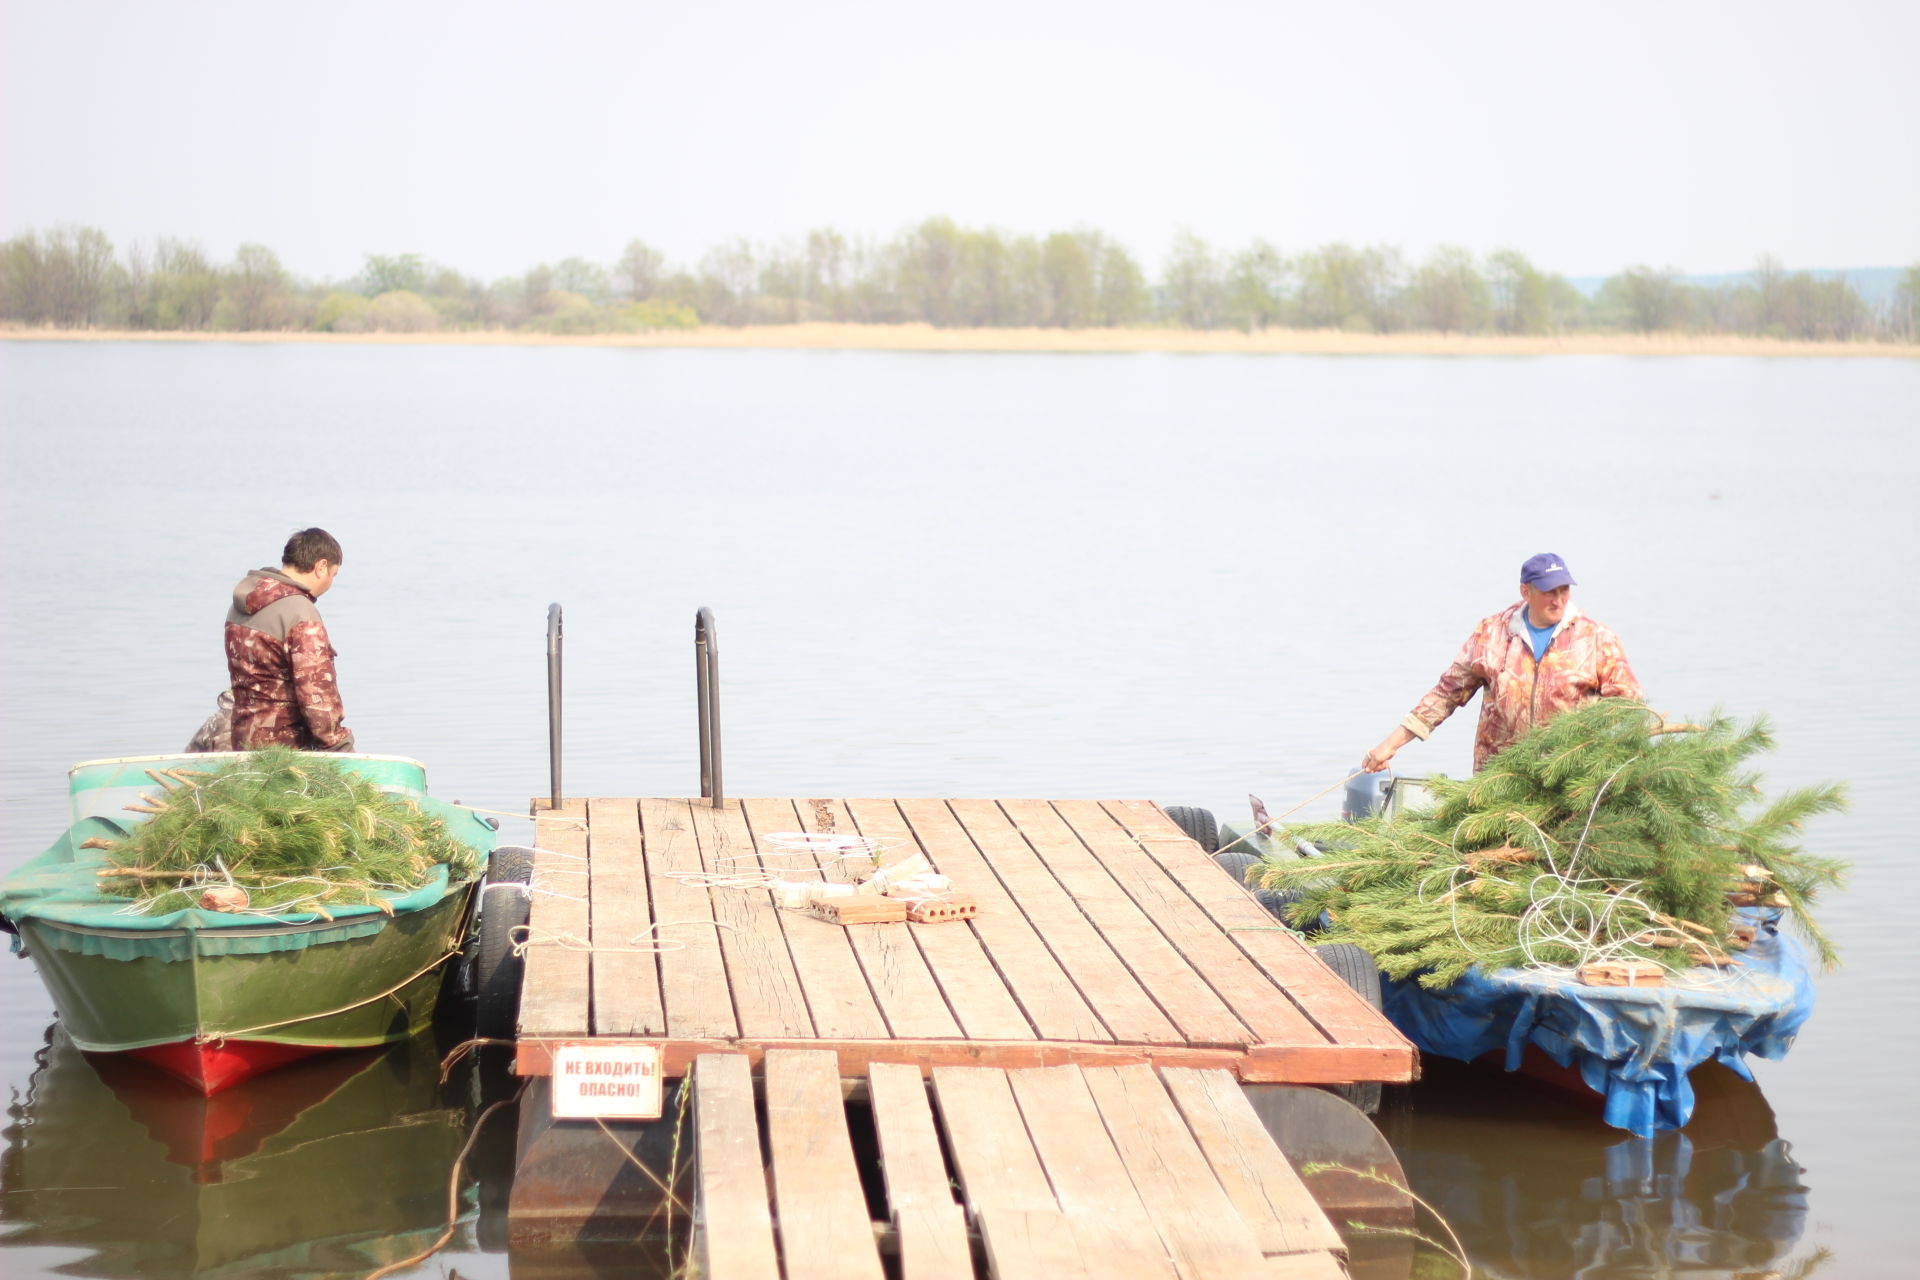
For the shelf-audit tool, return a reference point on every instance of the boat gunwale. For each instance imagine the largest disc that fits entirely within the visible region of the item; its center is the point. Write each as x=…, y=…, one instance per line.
x=244, y=931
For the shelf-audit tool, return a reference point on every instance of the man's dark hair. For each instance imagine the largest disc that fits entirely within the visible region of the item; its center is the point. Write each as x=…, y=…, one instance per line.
x=308, y=547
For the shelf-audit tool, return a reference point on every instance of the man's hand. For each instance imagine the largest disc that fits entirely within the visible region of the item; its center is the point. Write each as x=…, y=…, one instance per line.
x=1381, y=756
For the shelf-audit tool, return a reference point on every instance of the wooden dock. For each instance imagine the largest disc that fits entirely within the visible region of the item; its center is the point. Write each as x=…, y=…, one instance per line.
x=1085, y=1036
x=1061, y=1172
x=1105, y=937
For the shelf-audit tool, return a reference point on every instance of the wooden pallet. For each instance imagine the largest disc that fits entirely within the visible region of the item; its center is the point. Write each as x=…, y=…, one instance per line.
x=1060, y=1172
x=1104, y=936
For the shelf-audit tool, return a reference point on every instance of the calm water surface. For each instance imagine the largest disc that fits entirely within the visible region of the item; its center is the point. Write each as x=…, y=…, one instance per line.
x=1186, y=578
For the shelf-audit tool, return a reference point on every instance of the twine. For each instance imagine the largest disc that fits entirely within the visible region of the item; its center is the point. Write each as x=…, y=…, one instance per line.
x=220, y=1037
x=526, y=939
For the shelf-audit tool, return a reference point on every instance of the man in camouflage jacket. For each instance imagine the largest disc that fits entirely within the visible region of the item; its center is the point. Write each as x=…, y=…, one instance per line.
x=278, y=656
x=1534, y=659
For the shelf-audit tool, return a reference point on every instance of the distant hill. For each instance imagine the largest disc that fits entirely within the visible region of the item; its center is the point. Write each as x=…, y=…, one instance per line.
x=1875, y=285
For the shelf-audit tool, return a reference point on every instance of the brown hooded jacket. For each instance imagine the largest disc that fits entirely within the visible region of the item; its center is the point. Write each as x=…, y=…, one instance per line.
x=281, y=666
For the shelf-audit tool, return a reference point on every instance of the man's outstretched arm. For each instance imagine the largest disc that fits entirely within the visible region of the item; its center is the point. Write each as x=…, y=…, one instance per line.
x=1455, y=688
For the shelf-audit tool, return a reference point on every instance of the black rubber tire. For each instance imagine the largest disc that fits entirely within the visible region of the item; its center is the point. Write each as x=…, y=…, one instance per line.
x=1357, y=969
x=1199, y=824
x=496, y=970
x=1278, y=902
x=510, y=864
x=1236, y=864
x=504, y=907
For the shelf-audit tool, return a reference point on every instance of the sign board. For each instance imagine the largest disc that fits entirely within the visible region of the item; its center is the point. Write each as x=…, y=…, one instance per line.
x=606, y=1081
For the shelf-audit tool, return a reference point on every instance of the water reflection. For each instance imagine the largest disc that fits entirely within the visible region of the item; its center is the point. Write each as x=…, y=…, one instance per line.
x=1538, y=1188
x=332, y=1166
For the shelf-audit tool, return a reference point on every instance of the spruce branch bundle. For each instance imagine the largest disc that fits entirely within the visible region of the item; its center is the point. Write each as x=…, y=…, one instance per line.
x=298, y=832
x=1604, y=833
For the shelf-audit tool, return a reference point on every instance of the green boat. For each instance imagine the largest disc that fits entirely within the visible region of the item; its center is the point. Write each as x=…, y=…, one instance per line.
x=216, y=997
x=332, y=1166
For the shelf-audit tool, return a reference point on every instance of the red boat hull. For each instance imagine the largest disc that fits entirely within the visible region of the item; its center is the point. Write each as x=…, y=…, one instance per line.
x=213, y=1067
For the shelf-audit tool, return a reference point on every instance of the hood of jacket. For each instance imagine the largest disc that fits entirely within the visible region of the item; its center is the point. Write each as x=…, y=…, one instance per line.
x=261, y=588
x=1517, y=627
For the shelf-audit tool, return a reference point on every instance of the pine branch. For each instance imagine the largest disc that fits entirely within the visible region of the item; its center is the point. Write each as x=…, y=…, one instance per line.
x=1660, y=820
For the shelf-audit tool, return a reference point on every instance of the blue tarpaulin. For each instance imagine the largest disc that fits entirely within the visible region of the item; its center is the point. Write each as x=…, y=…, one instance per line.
x=1632, y=1045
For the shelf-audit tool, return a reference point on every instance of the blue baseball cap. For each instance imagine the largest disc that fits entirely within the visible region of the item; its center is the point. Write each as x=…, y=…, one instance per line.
x=1545, y=571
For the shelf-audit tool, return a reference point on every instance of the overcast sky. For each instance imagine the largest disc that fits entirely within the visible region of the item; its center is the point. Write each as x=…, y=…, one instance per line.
x=491, y=136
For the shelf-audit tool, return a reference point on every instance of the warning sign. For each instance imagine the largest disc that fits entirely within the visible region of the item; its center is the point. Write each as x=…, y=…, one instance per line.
x=610, y=1081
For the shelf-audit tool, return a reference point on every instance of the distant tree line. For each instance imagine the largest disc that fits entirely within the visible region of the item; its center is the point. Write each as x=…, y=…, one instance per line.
x=938, y=273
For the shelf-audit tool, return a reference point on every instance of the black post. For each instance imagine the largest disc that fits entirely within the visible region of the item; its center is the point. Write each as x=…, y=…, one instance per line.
x=555, y=796
x=706, y=666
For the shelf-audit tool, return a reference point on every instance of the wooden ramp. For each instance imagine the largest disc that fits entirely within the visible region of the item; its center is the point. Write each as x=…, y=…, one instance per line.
x=1055, y=1173
x=1104, y=937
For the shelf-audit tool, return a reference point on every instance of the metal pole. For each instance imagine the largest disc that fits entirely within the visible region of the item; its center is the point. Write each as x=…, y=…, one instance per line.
x=706, y=669
x=555, y=795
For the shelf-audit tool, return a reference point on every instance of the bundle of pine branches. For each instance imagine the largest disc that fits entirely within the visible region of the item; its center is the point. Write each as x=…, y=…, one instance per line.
x=1605, y=834
x=278, y=830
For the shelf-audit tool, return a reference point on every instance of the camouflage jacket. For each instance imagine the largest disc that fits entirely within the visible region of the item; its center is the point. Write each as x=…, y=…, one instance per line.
x=1583, y=661
x=281, y=666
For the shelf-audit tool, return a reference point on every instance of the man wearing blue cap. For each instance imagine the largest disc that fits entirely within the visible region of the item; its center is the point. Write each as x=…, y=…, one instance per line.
x=1535, y=659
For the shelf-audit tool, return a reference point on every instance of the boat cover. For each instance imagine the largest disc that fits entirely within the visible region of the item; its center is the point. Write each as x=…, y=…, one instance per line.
x=1632, y=1045
x=59, y=887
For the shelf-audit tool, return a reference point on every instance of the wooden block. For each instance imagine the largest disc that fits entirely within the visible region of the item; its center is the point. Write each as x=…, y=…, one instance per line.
x=1623, y=973
x=859, y=910
x=953, y=906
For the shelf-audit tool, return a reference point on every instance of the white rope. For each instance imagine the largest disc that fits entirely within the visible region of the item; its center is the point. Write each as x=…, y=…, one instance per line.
x=523, y=939
x=1260, y=827
x=524, y=817
x=834, y=846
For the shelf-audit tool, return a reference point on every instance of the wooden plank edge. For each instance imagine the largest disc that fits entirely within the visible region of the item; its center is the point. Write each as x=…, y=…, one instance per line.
x=1264, y=1064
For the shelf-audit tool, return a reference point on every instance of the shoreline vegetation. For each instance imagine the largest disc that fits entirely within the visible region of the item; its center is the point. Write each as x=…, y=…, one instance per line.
x=911, y=337
x=938, y=285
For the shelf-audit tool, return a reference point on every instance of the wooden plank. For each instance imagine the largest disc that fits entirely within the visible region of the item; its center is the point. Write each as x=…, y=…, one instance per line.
x=626, y=973
x=934, y=1243
x=730, y=1177
x=1033, y=1244
x=1196, y=1221
x=766, y=991
x=975, y=992
x=992, y=1153
x=1102, y=977
x=1320, y=992
x=1088, y=1177
x=1202, y=1016
x=910, y=1159
x=825, y=1230
x=897, y=973
x=1280, y=1064
x=1304, y=1266
x=693, y=975
x=838, y=999
x=933, y=1229
x=555, y=988
x=1236, y=979
x=1046, y=994
x=1250, y=1166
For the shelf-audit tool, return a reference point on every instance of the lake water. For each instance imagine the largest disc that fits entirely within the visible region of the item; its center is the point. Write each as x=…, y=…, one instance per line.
x=1185, y=578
